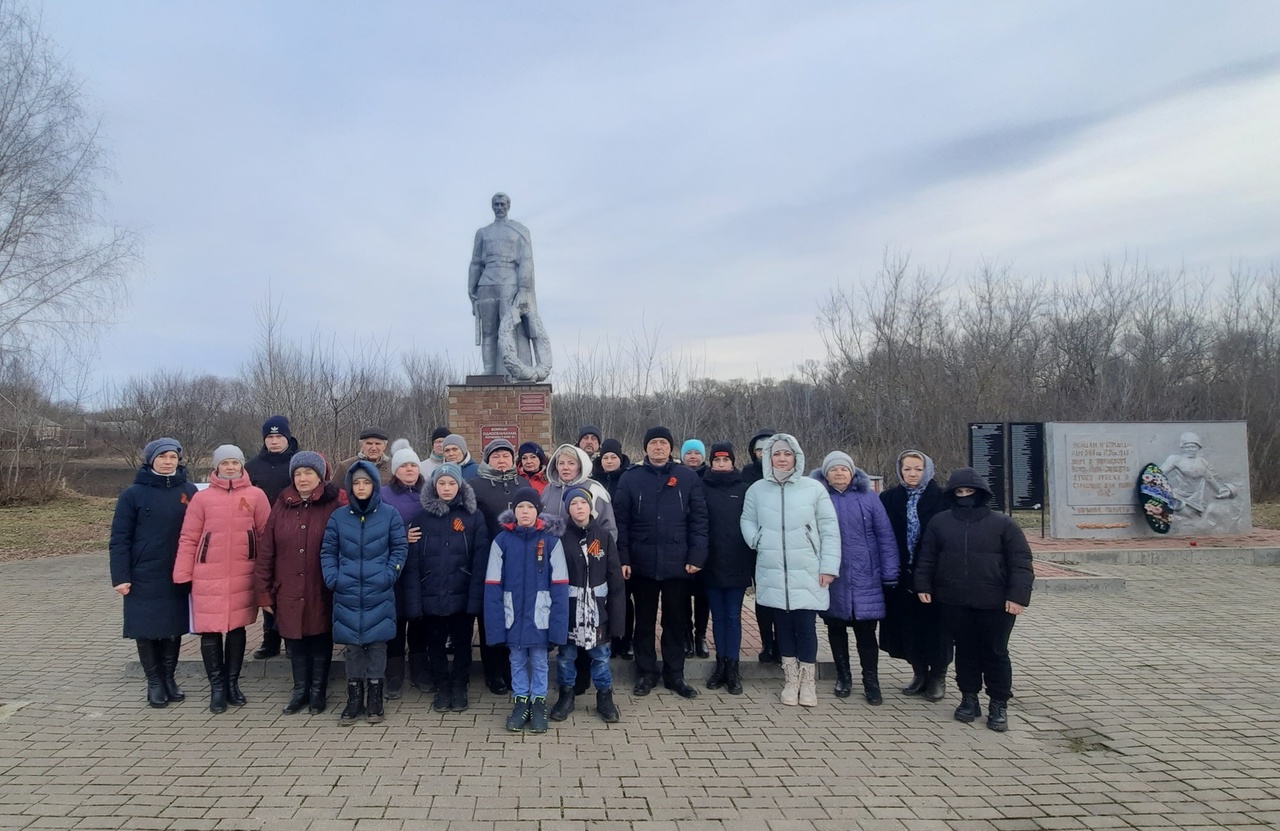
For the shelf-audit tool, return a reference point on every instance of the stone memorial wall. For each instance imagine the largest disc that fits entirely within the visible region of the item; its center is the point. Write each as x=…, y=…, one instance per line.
x=1094, y=467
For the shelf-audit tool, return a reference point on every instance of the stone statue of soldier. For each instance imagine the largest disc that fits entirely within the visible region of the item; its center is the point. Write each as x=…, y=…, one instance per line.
x=508, y=329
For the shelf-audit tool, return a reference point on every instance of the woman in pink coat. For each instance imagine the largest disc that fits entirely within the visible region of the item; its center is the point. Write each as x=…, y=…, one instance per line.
x=216, y=554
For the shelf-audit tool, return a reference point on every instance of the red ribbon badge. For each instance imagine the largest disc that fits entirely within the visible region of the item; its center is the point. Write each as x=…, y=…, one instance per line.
x=671, y=483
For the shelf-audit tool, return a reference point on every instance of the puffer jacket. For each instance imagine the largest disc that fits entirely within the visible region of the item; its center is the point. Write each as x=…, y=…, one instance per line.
x=362, y=555
x=288, y=575
x=407, y=500
x=793, y=528
x=662, y=521
x=972, y=556
x=868, y=550
x=526, y=585
x=270, y=471
x=594, y=569
x=553, y=493
x=142, y=551
x=731, y=563
x=216, y=553
x=444, y=574
x=494, y=489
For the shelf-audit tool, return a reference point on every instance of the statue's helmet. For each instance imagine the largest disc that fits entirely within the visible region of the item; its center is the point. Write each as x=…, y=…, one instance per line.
x=1189, y=438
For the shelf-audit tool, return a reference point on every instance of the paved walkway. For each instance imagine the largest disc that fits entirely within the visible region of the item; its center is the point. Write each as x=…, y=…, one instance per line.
x=1156, y=707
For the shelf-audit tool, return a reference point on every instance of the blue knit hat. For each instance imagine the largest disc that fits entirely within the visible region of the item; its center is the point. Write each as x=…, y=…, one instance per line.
x=447, y=469
x=160, y=445
x=572, y=493
x=277, y=425
x=693, y=444
x=310, y=459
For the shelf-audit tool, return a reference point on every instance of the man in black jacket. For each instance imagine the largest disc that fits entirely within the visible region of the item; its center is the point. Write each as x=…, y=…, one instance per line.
x=269, y=470
x=977, y=565
x=661, y=513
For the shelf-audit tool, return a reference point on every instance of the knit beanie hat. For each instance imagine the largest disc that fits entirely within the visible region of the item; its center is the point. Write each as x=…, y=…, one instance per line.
x=311, y=459
x=404, y=456
x=589, y=430
x=535, y=449
x=837, y=458
x=499, y=444
x=454, y=440
x=439, y=433
x=574, y=492
x=526, y=495
x=360, y=473
x=693, y=444
x=722, y=449
x=225, y=452
x=447, y=469
x=160, y=445
x=658, y=433
x=277, y=425
x=611, y=446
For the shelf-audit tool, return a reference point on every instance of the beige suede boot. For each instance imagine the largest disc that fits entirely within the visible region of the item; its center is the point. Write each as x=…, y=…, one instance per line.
x=808, y=685
x=791, y=691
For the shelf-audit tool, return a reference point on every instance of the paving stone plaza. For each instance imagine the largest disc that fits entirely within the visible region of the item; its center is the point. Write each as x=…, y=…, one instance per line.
x=1153, y=707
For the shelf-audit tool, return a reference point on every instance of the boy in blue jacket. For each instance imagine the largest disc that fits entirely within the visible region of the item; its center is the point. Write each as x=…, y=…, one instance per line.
x=526, y=602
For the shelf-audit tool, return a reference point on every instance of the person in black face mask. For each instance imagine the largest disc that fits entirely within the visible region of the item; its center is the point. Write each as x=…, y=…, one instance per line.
x=976, y=565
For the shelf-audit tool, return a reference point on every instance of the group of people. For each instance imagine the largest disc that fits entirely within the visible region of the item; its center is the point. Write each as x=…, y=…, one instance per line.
x=398, y=557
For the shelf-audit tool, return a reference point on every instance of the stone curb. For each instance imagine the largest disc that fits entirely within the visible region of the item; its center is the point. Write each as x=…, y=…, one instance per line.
x=1166, y=556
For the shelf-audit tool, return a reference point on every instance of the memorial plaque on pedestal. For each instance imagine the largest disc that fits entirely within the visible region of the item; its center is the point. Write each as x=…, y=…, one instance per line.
x=1026, y=465
x=986, y=457
x=500, y=410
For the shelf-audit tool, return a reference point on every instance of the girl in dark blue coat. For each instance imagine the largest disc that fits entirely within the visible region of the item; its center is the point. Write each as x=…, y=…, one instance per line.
x=444, y=579
x=144, y=543
x=362, y=555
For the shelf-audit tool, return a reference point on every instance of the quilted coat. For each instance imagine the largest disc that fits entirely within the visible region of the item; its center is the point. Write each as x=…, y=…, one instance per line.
x=526, y=586
x=362, y=555
x=793, y=528
x=216, y=553
x=444, y=574
x=288, y=576
x=868, y=550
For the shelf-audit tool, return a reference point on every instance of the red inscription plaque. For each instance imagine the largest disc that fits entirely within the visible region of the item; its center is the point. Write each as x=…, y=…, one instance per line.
x=533, y=402
x=489, y=432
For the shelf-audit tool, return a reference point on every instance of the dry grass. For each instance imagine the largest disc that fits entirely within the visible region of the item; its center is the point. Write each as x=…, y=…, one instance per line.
x=71, y=525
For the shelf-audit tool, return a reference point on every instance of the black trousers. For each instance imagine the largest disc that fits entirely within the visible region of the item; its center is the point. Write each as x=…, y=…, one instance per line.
x=864, y=633
x=982, y=649
x=411, y=630
x=674, y=597
x=456, y=630
x=697, y=624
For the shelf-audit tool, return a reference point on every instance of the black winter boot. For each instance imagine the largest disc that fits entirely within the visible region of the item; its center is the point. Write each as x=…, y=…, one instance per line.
x=235, y=660
x=564, y=705
x=395, y=677
x=732, y=680
x=300, y=663
x=214, y=669
x=969, y=708
x=374, y=708
x=270, y=638
x=918, y=682
x=355, y=702
x=520, y=713
x=442, y=698
x=838, y=637
x=678, y=686
x=538, y=715
x=458, y=702
x=700, y=646
x=871, y=687
x=149, y=657
x=716, y=681
x=935, y=689
x=605, y=708
x=997, y=715
x=318, y=687
x=169, y=648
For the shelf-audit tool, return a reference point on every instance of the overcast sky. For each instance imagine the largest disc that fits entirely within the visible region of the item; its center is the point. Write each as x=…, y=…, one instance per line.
x=706, y=170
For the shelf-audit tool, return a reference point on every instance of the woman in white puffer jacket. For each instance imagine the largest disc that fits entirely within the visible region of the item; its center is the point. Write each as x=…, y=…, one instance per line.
x=789, y=520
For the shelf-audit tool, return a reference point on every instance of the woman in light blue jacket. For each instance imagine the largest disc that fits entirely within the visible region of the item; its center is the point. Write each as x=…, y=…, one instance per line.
x=789, y=520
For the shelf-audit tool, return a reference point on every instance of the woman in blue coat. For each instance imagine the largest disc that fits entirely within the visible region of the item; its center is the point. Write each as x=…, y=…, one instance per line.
x=362, y=555
x=868, y=565
x=144, y=544
x=444, y=580
x=788, y=519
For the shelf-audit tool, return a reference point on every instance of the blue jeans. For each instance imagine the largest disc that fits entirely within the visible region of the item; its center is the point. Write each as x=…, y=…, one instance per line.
x=797, y=634
x=726, y=620
x=529, y=671
x=600, y=675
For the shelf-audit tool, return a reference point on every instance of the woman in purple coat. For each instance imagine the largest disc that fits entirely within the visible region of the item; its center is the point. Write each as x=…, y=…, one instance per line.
x=868, y=565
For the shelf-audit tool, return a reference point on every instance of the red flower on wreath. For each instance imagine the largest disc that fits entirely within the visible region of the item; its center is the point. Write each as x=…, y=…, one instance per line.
x=671, y=483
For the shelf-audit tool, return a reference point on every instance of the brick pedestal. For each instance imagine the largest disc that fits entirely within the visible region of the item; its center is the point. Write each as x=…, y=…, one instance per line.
x=487, y=408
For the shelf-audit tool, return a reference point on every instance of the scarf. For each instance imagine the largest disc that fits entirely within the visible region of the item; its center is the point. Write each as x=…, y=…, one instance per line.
x=586, y=624
x=913, y=519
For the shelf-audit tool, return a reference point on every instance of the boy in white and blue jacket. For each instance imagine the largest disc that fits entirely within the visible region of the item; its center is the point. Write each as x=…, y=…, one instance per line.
x=526, y=602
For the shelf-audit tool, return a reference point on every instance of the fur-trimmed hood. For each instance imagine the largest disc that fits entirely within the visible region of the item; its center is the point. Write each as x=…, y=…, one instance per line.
x=434, y=505
x=550, y=523
x=861, y=480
